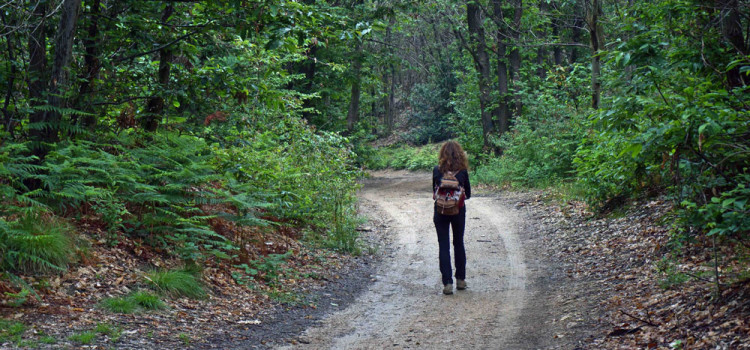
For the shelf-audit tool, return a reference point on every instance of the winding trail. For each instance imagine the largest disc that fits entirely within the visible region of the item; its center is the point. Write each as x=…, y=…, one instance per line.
x=505, y=306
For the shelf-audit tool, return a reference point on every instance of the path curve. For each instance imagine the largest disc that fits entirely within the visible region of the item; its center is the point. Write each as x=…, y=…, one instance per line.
x=405, y=308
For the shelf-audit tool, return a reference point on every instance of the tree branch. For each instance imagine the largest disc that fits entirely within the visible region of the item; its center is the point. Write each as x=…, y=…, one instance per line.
x=158, y=48
x=636, y=318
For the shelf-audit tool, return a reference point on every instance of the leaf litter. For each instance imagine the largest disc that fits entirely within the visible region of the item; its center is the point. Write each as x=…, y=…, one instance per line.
x=619, y=291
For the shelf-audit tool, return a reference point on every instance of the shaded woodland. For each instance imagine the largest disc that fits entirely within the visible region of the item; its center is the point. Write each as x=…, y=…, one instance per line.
x=195, y=128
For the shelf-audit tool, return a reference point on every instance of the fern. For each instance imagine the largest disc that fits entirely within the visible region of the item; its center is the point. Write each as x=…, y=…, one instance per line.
x=154, y=190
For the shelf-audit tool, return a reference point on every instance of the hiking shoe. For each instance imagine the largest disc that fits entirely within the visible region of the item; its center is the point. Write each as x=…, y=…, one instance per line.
x=460, y=284
x=448, y=289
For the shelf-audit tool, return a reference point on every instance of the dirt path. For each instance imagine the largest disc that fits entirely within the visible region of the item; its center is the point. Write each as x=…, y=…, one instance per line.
x=507, y=305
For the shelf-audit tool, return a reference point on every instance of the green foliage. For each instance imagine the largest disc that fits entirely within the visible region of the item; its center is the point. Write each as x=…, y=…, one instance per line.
x=537, y=152
x=35, y=244
x=120, y=305
x=152, y=192
x=671, y=276
x=47, y=339
x=184, y=338
x=177, y=283
x=11, y=331
x=668, y=116
x=405, y=157
x=133, y=302
x=112, y=332
x=269, y=266
x=306, y=177
x=83, y=338
x=16, y=165
x=18, y=299
x=466, y=117
x=725, y=215
x=429, y=120
x=147, y=300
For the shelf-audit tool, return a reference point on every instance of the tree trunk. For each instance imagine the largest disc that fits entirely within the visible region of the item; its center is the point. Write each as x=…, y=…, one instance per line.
x=155, y=105
x=390, y=80
x=37, y=75
x=541, y=52
x=578, y=23
x=58, y=79
x=92, y=64
x=352, y=116
x=503, y=117
x=515, y=57
x=731, y=25
x=592, y=15
x=557, y=52
x=309, y=67
x=482, y=63
x=10, y=60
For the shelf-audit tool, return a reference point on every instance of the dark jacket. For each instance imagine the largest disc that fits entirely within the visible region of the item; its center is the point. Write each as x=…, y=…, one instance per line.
x=462, y=177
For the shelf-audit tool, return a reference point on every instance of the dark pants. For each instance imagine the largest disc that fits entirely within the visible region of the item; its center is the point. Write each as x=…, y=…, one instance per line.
x=443, y=223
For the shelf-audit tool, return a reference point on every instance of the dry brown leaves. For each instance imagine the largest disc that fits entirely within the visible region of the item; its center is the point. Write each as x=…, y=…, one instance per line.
x=615, y=261
x=68, y=303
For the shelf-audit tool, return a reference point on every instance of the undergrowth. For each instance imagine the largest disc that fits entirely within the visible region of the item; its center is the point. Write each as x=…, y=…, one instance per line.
x=165, y=188
x=177, y=283
x=139, y=300
x=404, y=157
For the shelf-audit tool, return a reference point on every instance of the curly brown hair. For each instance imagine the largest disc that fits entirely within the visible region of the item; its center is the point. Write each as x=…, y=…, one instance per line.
x=452, y=157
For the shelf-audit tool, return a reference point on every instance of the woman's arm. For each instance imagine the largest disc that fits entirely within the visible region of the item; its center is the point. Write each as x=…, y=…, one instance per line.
x=467, y=185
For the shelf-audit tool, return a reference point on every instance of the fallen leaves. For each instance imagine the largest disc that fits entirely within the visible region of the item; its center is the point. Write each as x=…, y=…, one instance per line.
x=69, y=301
x=615, y=261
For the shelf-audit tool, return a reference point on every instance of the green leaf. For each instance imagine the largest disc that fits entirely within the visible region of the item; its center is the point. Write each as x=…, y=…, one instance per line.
x=727, y=202
x=634, y=150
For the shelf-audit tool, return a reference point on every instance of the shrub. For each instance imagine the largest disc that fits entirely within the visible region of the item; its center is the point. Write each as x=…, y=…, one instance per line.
x=429, y=117
x=303, y=175
x=177, y=283
x=531, y=159
x=405, y=157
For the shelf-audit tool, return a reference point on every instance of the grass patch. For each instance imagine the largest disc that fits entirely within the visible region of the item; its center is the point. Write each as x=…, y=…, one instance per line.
x=11, y=331
x=177, y=283
x=184, y=338
x=112, y=332
x=35, y=244
x=47, y=339
x=284, y=297
x=131, y=303
x=147, y=300
x=120, y=305
x=84, y=338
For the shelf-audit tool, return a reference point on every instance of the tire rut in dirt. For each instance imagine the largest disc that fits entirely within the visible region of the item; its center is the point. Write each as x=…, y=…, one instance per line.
x=405, y=308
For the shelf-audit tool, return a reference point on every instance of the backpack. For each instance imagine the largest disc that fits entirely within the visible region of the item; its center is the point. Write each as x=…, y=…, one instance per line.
x=448, y=195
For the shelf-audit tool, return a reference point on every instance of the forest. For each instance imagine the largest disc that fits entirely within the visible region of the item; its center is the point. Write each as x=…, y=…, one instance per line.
x=194, y=130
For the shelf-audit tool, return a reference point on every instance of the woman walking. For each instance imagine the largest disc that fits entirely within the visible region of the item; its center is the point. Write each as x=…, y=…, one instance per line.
x=452, y=162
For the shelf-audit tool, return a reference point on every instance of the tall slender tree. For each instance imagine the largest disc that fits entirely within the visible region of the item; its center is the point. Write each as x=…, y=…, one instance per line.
x=155, y=104
x=593, y=13
x=478, y=49
x=515, y=55
x=501, y=38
